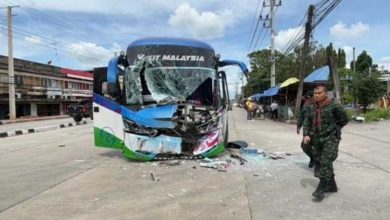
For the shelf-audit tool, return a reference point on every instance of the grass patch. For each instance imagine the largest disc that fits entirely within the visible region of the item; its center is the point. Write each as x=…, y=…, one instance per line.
x=377, y=115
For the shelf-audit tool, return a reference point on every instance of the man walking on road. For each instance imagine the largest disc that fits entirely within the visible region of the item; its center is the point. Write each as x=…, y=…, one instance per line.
x=322, y=127
x=306, y=108
x=250, y=107
x=274, y=110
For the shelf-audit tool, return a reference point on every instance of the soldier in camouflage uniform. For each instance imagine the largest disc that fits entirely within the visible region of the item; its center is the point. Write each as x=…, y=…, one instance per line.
x=307, y=107
x=322, y=127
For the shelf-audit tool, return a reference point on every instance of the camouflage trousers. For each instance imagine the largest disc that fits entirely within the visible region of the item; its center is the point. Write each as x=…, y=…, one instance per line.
x=307, y=149
x=326, y=151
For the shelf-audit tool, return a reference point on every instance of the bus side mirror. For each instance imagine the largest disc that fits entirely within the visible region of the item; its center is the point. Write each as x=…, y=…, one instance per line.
x=111, y=89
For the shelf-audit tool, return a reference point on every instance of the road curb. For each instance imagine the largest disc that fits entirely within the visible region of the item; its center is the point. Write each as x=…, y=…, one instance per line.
x=39, y=129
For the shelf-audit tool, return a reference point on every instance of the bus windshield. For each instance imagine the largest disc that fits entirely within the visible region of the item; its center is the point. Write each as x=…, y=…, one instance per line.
x=154, y=83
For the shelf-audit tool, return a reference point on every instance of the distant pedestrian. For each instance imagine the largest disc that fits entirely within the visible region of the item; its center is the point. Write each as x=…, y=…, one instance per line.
x=322, y=127
x=274, y=110
x=250, y=108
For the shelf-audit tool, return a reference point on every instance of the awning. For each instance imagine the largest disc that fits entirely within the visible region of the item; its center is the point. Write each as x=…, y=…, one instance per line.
x=272, y=91
x=258, y=96
x=318, y=75
x=289, y=82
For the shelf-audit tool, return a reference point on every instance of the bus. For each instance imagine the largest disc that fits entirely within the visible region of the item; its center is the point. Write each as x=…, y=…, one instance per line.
x=164, y=98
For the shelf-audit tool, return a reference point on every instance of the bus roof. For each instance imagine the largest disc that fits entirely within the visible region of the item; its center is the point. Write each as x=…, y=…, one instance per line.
x=170, y=41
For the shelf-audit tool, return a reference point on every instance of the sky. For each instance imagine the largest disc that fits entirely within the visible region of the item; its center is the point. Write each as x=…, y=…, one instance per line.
x=86, y=34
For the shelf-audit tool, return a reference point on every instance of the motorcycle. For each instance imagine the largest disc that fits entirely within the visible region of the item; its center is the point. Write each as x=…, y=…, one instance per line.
x=259, y=112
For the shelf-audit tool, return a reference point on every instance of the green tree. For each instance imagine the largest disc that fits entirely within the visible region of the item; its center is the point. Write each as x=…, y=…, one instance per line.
x=331, y=52
x=368, y=88
x=259, y=77
x=341, y=58
x=363, y=62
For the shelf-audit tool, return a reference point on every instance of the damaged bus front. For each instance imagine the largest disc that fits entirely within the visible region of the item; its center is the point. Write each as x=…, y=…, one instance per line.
x=164, y=98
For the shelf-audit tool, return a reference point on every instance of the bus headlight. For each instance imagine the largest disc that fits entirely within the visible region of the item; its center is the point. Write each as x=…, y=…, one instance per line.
x=132, y=127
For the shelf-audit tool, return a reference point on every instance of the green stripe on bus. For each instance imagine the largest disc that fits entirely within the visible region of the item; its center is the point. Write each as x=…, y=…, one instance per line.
x=129, y=154
x=105, y=139
x=220, y=148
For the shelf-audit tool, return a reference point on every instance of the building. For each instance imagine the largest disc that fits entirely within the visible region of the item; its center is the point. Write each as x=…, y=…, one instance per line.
x=41, y=89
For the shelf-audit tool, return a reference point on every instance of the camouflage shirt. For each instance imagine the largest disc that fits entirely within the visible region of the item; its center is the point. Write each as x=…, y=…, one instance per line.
x=325, y=122
x=307, y=107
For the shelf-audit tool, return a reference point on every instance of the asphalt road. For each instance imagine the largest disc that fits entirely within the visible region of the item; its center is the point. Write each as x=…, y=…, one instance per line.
x=58, y=174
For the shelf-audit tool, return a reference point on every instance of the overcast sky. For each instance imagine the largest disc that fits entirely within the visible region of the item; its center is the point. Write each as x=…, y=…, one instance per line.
x=85, y=33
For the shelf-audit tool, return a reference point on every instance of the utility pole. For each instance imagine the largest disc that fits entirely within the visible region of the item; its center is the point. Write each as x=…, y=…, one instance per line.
x=354, y=62
x=354, y=77
x=336, y=78
x=308, y=29
x=272, y=6
x=11, y=75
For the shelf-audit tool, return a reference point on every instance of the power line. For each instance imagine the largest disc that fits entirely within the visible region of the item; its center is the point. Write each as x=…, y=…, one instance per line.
x=68, y=49
x=261, y=38
x=51, y=19
x=256, y=26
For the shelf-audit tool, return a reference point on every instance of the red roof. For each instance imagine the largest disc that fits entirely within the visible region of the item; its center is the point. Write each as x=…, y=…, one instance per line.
x=77, y=74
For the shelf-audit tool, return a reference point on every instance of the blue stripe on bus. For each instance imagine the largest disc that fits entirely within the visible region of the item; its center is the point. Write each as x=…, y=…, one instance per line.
x=142, y=118
x=170, y=41
x=107, y=103
x=148, y=122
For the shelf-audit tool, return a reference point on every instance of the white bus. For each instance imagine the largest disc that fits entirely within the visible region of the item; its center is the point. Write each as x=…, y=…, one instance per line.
x=164, y=98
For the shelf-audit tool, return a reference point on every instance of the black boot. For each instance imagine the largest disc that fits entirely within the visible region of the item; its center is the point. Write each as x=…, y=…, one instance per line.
x=317, y=169
x=311, y=162
x=319, y=193
x=331, y=185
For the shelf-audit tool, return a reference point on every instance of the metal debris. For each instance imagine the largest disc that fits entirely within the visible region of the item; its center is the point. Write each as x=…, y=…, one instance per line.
x=236, y=156
x=215, y=164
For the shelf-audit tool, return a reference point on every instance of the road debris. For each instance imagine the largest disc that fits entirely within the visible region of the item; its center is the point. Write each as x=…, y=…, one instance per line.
x=170, y=163
x=154, y=177
x=279, y=155
x=248, y=151
x=214, y=163
x=61, y=145
x=236, y=156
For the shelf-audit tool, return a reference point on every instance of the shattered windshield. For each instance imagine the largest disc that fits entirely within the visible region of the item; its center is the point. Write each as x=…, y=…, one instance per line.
x=148, y=83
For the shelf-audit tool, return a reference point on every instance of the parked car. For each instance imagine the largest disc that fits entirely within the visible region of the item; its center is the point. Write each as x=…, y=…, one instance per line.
x=81, y=110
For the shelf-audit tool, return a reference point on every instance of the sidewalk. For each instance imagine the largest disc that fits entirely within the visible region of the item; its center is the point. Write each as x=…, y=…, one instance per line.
x=33, y=118
x=36, y=124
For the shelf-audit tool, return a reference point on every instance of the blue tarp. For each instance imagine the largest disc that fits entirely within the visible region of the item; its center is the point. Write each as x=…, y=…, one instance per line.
x=271, y=91
x=318, y=75
x=257, y=96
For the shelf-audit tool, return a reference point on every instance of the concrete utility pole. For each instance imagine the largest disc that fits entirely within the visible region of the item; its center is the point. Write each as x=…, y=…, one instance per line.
x=354, y=62
x=11, y=75
x=336, y=78
x=308, y=30
x=354, y=75
x=272, y=5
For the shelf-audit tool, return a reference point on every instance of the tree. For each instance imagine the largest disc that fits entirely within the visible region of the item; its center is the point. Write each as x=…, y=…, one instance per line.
x=259, y=78
x=341, y=58
x=363, y=62
x=330, y=52
x=368, y=89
